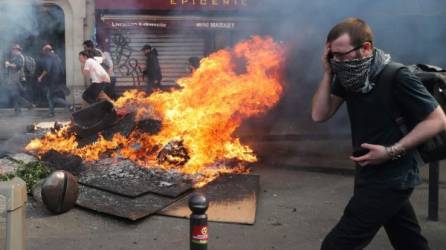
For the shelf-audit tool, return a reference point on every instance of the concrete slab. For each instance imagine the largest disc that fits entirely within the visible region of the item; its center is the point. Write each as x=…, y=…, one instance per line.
x=121, y=206
x=123, y=177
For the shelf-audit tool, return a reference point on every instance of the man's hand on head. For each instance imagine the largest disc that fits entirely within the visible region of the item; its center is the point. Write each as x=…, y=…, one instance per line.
x=325, y=59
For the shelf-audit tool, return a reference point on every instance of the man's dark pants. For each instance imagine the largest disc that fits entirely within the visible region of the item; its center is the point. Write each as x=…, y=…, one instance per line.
x=53, y=99
x=152, y=84
x=91, y=94
x=14, y=91
x=368, y=210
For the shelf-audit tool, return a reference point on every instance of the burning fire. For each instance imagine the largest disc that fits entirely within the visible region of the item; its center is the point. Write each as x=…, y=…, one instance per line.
x=229, y=86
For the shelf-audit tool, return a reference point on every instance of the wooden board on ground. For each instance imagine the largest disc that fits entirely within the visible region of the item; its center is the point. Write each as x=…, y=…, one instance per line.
x=232, y=199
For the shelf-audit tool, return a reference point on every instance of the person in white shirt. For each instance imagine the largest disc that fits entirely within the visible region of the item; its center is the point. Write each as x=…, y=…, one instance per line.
x=100, y=87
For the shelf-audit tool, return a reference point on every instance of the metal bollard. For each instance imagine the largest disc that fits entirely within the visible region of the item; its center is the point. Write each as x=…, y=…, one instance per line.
x=198, y=222
x=15, y=193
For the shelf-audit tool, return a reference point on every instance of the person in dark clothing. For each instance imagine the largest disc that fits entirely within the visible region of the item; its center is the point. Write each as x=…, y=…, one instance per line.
x=94, y=52
x=16, y=76
x=107, y=64
x=51, y=79
x=192, y=64
x=387, y=170
x=152, y=71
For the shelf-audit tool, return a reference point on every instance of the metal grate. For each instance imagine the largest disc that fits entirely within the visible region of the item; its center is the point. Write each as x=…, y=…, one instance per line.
x=174, y=49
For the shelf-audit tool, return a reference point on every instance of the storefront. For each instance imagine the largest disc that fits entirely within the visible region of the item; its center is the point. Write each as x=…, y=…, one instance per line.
x=178, y=29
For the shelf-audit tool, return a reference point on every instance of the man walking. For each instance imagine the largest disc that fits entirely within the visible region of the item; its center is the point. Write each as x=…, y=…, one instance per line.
x=51, y=79
x=387, y=170
x=16, y=76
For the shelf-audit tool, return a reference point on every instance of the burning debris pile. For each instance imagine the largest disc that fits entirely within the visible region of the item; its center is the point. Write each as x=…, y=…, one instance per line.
x=188, y=131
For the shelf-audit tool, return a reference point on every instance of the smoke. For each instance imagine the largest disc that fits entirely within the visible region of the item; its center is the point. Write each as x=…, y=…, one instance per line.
x=29, y=24
x=17, y=22
x=412, y=31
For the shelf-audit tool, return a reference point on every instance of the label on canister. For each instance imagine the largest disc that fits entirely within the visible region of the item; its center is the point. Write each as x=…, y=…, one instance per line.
x=200, y=234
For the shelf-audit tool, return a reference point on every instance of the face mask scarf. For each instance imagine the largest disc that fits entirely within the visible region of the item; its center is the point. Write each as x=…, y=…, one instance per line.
x=354, y=75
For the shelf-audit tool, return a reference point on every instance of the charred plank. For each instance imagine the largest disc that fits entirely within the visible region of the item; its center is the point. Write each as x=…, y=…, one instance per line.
x=94, y=118
x=124, y=126
x=64, y=161
x=150, y=126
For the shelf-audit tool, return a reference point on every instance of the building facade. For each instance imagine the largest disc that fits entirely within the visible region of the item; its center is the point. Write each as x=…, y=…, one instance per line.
x=178, y=29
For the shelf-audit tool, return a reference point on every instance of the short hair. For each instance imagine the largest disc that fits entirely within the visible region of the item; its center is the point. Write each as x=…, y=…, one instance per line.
x=88, y=43
x=47, y=47
x=358, y=30
x=86, y=53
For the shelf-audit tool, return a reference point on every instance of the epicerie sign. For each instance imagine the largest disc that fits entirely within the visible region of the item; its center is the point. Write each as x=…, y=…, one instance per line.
x=209, y=3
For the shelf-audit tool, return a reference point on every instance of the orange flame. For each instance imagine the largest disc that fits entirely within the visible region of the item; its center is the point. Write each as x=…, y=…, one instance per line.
x=229, y=86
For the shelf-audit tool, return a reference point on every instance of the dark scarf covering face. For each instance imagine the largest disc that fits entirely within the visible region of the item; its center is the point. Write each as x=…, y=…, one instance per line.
x=355, y=75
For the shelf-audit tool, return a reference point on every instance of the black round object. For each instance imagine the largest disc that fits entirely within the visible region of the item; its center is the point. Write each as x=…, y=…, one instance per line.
x=60, y=191
x=198, y=204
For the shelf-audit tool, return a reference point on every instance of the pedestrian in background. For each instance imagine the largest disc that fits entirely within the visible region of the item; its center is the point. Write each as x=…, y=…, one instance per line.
x=107, y=64
x=100, y=87
x=152, y=70
x=51, y=79
x=192, y=64
x=16, y=77
x=94, y=52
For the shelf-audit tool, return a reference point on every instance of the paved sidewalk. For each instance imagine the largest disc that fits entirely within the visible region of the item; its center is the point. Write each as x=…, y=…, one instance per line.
x=295, y=210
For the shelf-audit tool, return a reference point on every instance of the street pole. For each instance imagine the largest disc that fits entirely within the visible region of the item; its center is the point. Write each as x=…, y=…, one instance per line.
x=198, y=222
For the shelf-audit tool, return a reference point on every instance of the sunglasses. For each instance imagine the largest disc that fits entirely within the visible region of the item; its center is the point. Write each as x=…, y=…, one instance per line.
x=341, y=54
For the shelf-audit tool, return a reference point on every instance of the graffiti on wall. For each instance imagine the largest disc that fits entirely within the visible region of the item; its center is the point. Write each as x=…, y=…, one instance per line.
x=123, y=57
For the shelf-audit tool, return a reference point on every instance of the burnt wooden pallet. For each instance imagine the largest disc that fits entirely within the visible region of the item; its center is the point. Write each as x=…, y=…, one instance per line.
x=121, y=206
x=124, y=126
x=232, y=199
x=123, y=177
x=94, y=118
